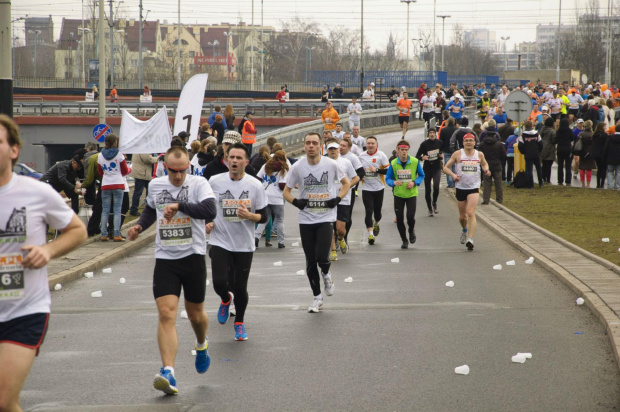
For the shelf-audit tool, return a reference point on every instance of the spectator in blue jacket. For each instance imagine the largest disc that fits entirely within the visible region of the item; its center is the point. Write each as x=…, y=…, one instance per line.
x=217, y=110
x=510, y=154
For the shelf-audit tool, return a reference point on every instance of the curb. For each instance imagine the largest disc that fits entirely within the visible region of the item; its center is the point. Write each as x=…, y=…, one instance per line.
x=103, y=260
x=595, y=303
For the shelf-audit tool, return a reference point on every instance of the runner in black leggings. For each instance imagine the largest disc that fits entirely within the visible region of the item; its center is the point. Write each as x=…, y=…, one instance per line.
x=430, y=153
x=375, y=164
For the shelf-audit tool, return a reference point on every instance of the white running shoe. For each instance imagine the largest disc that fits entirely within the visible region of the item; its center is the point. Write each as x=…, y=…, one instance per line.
x=329, y=285
x=317, y=305
x=232, y=309
x=470, y=244
x=463, y=237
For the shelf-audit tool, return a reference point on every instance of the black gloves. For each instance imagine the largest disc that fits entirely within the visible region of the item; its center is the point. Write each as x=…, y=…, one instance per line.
x=300, y=203
x=331, y=203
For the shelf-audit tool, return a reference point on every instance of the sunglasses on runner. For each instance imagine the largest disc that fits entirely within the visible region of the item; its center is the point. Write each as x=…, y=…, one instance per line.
x=171, y=170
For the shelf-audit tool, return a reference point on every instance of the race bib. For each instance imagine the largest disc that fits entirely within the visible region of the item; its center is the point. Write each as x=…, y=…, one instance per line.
x=456, y=109
x=317, y=202
x=175, y=232
x=404, y=174
x=404, y=111
x=433, y=154
x=328, y=121
x=370, y=175
x=428, y=105
x=230, y=206
x=11, y=277
x=469, y=167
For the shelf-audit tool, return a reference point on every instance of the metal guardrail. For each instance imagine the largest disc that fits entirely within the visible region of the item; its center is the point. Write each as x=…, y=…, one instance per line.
x=263, y=109
x=291, y=137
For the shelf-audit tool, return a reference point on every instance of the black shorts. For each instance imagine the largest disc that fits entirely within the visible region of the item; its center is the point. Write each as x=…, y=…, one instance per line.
x=403, y=119
x=555, y=116
x=28, y=331
x=189, y=272
x=461, y=194
x=343, y=213
x=573, y=112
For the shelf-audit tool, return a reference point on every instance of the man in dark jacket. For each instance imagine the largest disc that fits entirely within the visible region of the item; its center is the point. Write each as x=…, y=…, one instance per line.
x=62, y=177
x=456, y=141
x=217, y=166
x=530, y=145
x=611, y=153
x=444, y=135
x=495, y=154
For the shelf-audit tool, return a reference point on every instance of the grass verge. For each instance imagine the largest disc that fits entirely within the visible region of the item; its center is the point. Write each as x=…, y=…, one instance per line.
x=581, y=216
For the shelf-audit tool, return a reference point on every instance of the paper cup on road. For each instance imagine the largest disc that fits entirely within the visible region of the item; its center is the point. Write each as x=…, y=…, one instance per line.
x=184, y=314
x=605, y=239
x=296, y=244
x=511, y=263
x=519, y=358
x=527, y=355
x=96, y=294
x=395, y=260
x=107, y=270
x=450, y=284
x=580, y=301
x=497, y=267
x=530, y=260
x=89, y=275
x=462, y=370
x=348, y=280
x=193, y=352
x=278, y=263
x=58, y=286
x=122, y=280
x=208, y=283
x=301, y=272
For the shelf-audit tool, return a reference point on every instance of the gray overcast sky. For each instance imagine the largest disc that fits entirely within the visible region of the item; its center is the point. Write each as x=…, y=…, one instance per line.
x=514, y=18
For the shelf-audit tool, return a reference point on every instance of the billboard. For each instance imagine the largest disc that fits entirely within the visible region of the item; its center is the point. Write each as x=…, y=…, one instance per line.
x=219, y=60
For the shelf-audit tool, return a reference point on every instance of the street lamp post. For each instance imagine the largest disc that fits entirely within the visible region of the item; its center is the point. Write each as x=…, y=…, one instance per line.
x=84, y=31
x=408, y=2
x=14, y=37
x=36, y=40
x=309, y=52
x=608, y=53
x=252, y=50
x=179, y=46
x=505, y=58
x=557, y=69
x=434, y=43
x=262, y=50
x=214, y=43
x=140, y=47
x=227, y=34
x=443, y=35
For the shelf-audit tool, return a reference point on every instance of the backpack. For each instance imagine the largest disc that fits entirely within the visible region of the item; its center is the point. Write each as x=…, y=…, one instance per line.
x=520, y=180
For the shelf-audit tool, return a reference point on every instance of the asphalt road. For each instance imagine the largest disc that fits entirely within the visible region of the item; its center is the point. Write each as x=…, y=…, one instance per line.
x=388, y=341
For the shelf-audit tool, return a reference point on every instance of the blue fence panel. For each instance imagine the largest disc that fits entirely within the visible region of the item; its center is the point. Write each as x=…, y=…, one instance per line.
x=351, y=79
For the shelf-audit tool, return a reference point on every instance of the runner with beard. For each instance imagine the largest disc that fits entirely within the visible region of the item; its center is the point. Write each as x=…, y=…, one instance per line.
x=430, y=153
x=375, y=164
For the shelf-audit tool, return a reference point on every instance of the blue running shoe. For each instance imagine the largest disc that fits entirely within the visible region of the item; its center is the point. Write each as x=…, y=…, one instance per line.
x=240, y=332
x=224, y=312
x=203, y=360
x=165, y=382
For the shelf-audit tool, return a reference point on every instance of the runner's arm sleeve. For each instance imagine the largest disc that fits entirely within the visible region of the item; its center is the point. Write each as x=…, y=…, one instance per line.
x=264, y=217
x=418, y=181
x=361, y=172
x=147, y=218
x=206, y=209
x=382, y=171
x=389, y=177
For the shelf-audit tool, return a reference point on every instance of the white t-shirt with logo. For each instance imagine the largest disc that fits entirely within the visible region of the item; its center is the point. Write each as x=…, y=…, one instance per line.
x=26, y=208
x=197, y=170
x=352, y=157
x=349, y=171
x=354, y=111
x=358, y=141
x=112, y=175
x=316, y=185
x=271, y=184
x=182, y=235
x=229, y=231
x=428, y=104
x=373, y=181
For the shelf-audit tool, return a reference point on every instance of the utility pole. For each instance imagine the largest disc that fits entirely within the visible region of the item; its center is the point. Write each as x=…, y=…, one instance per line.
x=505, y=59
x=101, y=63
x=362, y=62
x=140, y=49
x=608, y=51
x=6, y=76
x=262, y=50
x=557, y=70
x=408, y=2
x=252, y=50
x=228, y=34
x=443, y=36
x=111, y=43
x=179, y=46
x=434, y=36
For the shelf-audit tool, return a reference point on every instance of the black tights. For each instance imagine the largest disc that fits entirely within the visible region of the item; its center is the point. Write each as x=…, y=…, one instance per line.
x=435, y=177
x=239, y=264
x=399, y=210
x=546, y=170
x=601, y=172
x=373, y=202
x=350, y=222
x=316, y=240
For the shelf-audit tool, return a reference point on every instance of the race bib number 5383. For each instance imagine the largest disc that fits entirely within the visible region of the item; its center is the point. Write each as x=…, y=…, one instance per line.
x=11, y=277
x=175, y=232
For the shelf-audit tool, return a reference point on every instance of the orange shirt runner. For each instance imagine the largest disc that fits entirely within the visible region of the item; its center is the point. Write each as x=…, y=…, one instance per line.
x=404, y=107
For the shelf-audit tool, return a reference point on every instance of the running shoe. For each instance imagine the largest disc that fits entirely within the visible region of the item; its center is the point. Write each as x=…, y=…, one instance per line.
x=412, y=237
x=281, y=246
x=463, y=237
x=405, y=245
x=329, y=285
x=470, y=244
x=165, y=382
x=203, y=360
x=333, y=256
x=435, y=208
x=376, y=229
x=224, y=312
x=430, y=212
x=371, y=240
x=240, y=332
x=232, y=310
x=317, y=305
x=344, y=248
